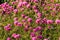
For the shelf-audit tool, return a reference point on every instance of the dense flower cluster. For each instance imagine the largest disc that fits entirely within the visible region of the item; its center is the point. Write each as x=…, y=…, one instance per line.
x=30, y=20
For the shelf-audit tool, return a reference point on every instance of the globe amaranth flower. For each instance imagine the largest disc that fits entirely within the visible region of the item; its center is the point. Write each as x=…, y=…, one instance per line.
x=28, y=5
x=23, y=15
x=34, y=7
x=16, y=36
x=45, y=39
x=32, y=34
x=36, y=10
x=24, y=3
x=39, y=14
x=26, y=29
x=35, y=1
x=40, y=36
x=15, y=19
x=37, y=21
x=39, y=28
x=19, y=24
x=8, y=38
x=29, y=19
x=7, y=28
x=49, y=21
x=34, y=38
x=15, y=23
x=57, y=21
x=15, y=11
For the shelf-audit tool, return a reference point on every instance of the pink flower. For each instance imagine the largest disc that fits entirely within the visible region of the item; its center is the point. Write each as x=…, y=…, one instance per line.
x=14, y=35
x=8, y=38
x=45, y=8
x=35, y=10
x=44, y=21
x=34, y=38
x=17, y=36
x=49, y=21
x=28, y=6
x=15, y=19
x=40, y=36
x=13, y=2
x=26, y=17
x=57, y=21
x=29, y=19
x=15, y=22
x=45, y=39
x=20, y=4
x=37, y=29
x=32, y=34
x=25, y=3
x=34, y=7
x=37, y=21
x=39, y=14
x=15, y=11
x=7, y=28
x=9, y=25
x=35, y=1
x=19, y=24
x=23, y=15
x=23, y=21
x=26, y=29
x=22, y=9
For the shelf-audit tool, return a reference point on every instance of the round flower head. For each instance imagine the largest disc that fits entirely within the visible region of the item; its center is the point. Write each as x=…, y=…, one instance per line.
x=34, y=38
x=40, y=37
x=7, y=28
x=45, y=39
x=57, y=5
x=15, y=22
x=29, y=19
x=25, y=29
x=45, y=8
x=23, y=15
x=25, y=3
x=23, y=20
x=8, y=38
x=19, y=24
x=39, y=15
x=20, y=4
x=15, y=19
x=26, y=17
x=49, y=21
x=34, y=7
x=14, y=35
x=35, y=1
x=13, y=2
x=57, y=21
x=35, y=10
x=22, y=9
x=28, y=6
x=37, y=21
x=44, y=21
x=15, y=11
x=32, y=34
x=39, y=28
x=17, y=36
x=9, y=25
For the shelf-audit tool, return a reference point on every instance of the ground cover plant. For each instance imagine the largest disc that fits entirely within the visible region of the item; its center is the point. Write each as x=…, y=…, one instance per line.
x=30, y=20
